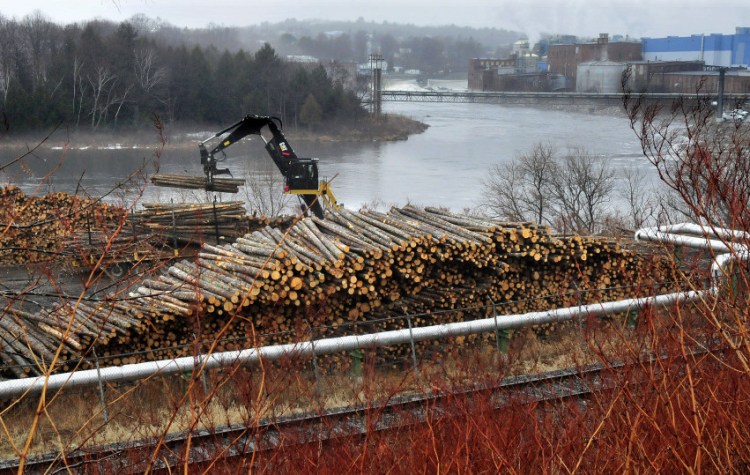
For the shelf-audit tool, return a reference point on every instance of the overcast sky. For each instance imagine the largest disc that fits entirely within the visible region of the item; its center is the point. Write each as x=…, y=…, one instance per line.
x=579, y=17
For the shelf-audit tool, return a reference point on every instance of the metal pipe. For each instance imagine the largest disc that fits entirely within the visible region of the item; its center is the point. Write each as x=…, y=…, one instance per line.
x=703, y=230
x=653, y=234
x=137, y=371
x=730, y=251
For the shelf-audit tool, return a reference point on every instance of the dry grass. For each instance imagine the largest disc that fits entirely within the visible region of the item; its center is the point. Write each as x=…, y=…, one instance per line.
x=159, y=405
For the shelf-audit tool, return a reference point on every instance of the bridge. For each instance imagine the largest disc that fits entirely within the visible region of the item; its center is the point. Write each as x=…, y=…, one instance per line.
x=531, y=98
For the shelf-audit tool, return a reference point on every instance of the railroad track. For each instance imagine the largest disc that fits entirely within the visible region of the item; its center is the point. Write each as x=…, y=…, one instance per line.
x=239, y=440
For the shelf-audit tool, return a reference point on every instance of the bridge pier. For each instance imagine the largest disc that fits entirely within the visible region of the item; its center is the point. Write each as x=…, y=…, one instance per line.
x=376, y=66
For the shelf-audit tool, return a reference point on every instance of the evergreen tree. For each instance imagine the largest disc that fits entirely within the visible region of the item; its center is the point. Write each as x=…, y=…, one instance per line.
x=311, y=113
x=102, y=75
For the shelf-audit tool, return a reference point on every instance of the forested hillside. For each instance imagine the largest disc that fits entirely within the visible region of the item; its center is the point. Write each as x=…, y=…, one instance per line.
x=431, y=49
x=99, y=75
x=102, y=75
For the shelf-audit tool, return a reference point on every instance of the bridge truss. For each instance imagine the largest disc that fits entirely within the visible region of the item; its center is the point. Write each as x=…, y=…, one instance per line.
x=527, y=98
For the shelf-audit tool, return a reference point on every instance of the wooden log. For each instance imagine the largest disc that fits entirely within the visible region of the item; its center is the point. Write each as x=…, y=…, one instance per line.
x=224, y=185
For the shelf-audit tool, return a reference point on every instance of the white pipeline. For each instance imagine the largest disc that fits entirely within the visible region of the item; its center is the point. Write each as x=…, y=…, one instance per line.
x=657, y=235
x=132, y=372
x=727, y=252
x=705, y=230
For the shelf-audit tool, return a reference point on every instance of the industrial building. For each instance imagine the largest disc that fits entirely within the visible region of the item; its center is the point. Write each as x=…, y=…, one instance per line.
x=736, y=81
x=683, y=65
x=483, y=70
x=523, y=74
x=564, y=59
x=714, y=49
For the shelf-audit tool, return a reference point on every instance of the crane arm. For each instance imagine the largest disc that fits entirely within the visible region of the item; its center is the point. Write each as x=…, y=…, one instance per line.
x=277, y=146
x=301, y=175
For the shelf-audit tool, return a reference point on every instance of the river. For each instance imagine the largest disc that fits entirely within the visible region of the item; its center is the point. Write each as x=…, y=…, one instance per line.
x=443, y=166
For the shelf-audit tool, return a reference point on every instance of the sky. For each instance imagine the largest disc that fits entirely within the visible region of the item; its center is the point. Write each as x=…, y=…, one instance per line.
x=636, y=18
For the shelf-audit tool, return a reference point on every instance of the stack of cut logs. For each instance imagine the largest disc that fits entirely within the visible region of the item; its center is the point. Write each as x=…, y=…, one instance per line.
x=35, y=229
x=28, y=339
x=102, y=249
x=193, y=222
x=186, y=223
x=360, y=268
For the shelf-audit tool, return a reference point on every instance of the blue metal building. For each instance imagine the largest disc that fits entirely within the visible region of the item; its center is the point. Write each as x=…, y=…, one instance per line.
x=714, y=49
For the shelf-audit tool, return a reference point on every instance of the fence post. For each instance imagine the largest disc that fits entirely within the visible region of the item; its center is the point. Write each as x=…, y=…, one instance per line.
x=316, y=370
x=631, y=319
x=678, y=255
x=357, y=357
x=413, y=347
x=579, y=303
x=105, y=413
x=204, y=381
x=501, y=336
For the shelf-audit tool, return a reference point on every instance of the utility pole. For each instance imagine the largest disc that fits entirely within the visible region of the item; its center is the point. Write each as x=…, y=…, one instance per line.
x=720, y=100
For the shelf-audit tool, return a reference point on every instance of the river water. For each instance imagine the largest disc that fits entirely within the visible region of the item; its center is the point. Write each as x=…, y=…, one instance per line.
x=443, y=166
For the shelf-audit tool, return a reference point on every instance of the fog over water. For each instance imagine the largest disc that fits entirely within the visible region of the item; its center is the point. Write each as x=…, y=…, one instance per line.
x=443, y=166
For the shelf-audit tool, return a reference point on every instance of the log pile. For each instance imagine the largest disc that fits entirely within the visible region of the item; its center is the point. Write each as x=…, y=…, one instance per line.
x=102, y=249
x=35, y=229
x=191, y=223
x=29, y=340
x=363, y=269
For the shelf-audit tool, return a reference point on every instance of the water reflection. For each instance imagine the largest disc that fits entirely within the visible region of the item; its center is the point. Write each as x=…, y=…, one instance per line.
x=443, y=166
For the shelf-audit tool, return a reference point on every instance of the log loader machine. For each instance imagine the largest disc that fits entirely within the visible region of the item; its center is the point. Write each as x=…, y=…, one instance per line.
x=300, y=174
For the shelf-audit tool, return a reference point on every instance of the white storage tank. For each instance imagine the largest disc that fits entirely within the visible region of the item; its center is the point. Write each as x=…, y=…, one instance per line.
x=600, y=76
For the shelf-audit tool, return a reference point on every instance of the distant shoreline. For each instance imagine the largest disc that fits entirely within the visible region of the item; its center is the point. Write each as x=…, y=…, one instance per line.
x=389, y=128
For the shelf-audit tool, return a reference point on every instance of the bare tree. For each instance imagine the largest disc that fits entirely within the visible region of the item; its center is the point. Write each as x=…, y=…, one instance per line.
x=580, y=190
x=519, y=190
x=102, y=83
x=705, y=162
x=643, y=204
x=147, y=73
x=120, y=100
x=570, y=193
x=10, y=52
x=265, y=193
x=79, y=88
x=38, y=36
x=338, y=73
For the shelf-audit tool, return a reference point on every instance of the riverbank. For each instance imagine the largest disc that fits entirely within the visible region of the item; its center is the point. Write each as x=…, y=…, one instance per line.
x=387, y=128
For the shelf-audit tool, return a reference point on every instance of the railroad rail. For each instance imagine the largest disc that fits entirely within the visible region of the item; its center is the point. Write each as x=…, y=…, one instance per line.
x=234, y=441
x=240, y=440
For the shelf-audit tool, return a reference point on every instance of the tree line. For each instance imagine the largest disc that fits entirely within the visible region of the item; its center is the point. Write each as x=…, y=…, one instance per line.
x=431, y=49
x=103, y=75
x=429, y=55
